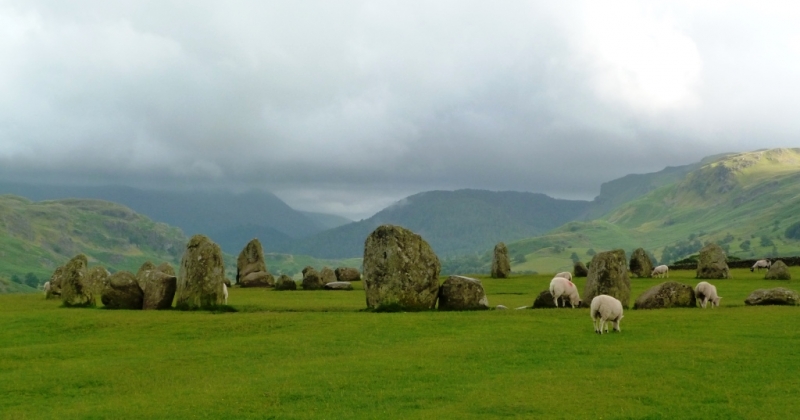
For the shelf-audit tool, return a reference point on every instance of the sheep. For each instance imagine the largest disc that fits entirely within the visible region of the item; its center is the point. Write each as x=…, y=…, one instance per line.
x=661, y=271
x=706, y=292
x=224, y=294
x=761, y=264
x=567, y=275
x=605, y=309
x=46, y=288
x=561, y=287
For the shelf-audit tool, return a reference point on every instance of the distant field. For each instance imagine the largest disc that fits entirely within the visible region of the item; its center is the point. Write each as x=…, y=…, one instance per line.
x=294, y=355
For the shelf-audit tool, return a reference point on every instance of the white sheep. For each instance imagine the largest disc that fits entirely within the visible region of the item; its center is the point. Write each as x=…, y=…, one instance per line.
x=605, y=309
x=761, y=264
x=566, y=274
x=225, y=294
x=46, y=288
x=561, y=287
x=706, y=292
x=661, y=271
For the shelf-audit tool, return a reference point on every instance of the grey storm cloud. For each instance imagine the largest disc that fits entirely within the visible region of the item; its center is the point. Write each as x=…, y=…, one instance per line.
x=347, y=106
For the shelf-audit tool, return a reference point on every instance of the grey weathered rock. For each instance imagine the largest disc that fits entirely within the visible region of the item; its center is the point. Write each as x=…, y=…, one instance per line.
x=640, y=264
x=122, y=291
x=579, y=270
x=776, y=296
x=201, y=275
x=338, y=285
x=96, y=278
x=545, y=300
x=669, y=294
x=166, y=268
x=501, y=267
x=459, y=293
x=285, y=282
x=401, y=271
x=74, y=289
x=347, y=274
x=251, y=268
x=712, y=263
x=311, y=279
x=158, y=289
x=778, y=271
x=55, y=283
x=327, y=275
x=147, y=266
x=608, y=275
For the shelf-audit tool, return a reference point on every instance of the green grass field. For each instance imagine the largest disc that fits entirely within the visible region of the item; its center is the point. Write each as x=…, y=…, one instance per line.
x=288, y=355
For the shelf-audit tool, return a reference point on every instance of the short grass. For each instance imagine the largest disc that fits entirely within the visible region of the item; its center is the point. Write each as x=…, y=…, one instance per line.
x=295, y=355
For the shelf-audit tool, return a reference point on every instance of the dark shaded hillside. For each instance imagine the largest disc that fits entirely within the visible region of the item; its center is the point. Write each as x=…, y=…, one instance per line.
x=453, y=222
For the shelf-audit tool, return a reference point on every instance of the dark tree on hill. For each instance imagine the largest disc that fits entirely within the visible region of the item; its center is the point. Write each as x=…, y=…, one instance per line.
x=31, y=280
x=745, y=245
x=793, y=231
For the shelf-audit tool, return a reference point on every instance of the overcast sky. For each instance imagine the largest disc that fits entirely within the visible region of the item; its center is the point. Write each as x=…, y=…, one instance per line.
x=347, y=106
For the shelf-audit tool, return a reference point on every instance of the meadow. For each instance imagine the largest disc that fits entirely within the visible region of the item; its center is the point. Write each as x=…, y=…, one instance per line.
x=319, y=354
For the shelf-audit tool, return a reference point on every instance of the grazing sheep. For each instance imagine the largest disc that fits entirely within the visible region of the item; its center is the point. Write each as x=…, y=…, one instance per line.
x=225, y=293
x=561, y=287
x=705, y=292
x=566, y=274
x=661, y=271
x=761, y=264
x=605, y=309
x=46, y=288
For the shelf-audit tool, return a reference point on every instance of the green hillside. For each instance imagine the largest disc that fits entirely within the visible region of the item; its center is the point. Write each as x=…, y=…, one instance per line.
x=744, y=202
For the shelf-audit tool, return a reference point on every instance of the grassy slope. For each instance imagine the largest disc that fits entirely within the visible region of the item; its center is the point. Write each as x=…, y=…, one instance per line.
x=753, y=194
x=316, y=355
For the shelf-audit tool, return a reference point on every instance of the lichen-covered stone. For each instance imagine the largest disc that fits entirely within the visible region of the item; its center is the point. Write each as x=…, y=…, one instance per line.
x=96, y=278
x=776, y=296
x=251, y=268
x=122, y=291
x=608, y=275
x=347, y=274
x=311, y=279
x=338, y=285
x=640, y=263
x=257, y=279
x=74, y=289
x=669, y=294
x=327, y=275
x=285, y=282
x=158, y=289
x=545, y=300
x=201, y=275
x=166, y=268
x=401, y=271
x=501, y=266
x=778, y=271
x=712, y=263
x=55, y=283
x=459, y=293
x=146, y=266
x=579, y=269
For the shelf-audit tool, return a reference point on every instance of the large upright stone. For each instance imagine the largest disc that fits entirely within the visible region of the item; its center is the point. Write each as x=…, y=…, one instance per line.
x=579, y=269
x=311, y=279
x=146, y=266
x=776, y=296
x=640, y=264
x=501, y=267
x=778, y=271
x=96, y=278
x=54, y=292
x=459, y=293
x=712, y=263
x=166, y=268
x=669, y=294
x=401, y=271
x=122, y=291
x=74, y=290
x=608, y=275
x=201, y=275
x=158, y=289
x=347, y=274
x=285, y=282
x=327, y=275
x=251, y=268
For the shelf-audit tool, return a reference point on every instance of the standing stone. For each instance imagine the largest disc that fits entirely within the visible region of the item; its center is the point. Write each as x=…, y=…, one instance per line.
x=669, y=294
x=401, y=271
x=74, y=289
x=147, y=266
x=122, y=291
x=640, y=264
x=545, y=300
x=96, y=279
x=579, y=270
x=327, y=275
x=347, y=274
x=776, y=296
x=251, y=268
x=158, y=289
x=459, y=293
x=501, y=267
x=166, y=268
x=608, y=275
x=712, y=263
x=55, y=283
x=285, y=283
x=201, y=275
x=312, y=279
x=778, y=271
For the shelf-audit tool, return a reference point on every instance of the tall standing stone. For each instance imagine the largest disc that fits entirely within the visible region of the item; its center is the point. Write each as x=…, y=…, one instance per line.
x=501, y=267
x=608, y=275
x=285, y=282
x=201, y=275
x=74, y=289
x=579, y=270
x=640, y=264
x=401, y=271
x=147, y=266
x=251, y=268
x=96, y=278
x=712, y=263
x=327, y=275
